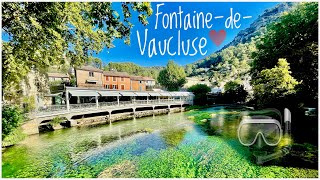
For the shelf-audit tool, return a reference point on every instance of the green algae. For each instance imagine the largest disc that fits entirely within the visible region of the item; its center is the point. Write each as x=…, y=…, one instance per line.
x=166, y=146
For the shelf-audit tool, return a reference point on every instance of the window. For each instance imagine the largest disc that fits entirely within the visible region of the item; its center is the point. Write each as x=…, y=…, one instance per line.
x=140, y=88
x=122, y=86
x=140, y=82
x=91, y=82
x=114, y=86
x=122, y=78
x=107, y=78
x=114, y=78
x=108, y=86
x=91, y=74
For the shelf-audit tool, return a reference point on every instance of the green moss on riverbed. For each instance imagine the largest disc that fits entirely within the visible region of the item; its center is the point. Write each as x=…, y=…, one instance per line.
x=163, y=146
x=217, y=160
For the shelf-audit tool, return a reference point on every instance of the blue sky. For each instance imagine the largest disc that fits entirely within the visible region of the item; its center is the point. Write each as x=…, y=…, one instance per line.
x=125, y=53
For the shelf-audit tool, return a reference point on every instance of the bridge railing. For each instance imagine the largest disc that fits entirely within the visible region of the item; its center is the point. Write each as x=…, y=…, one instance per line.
x=83, y=106
x=52, y=108
x=48, y=110
x=125, y=103
x=106, y=104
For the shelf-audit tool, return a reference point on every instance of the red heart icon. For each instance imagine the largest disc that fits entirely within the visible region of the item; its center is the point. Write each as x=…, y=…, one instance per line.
x=217, y=37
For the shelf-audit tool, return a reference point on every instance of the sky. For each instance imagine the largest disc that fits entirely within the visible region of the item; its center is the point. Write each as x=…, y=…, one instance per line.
x=198, y=38
x=125, y=53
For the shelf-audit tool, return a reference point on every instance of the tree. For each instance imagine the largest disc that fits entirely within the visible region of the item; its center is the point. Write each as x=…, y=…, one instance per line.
x=189, y=69
x=200, y=91
x=134, y=69
x=44, y=34
x=274, y=84
x=295, y=38
x=172, y=77
x=12, y=116
x=234, y=92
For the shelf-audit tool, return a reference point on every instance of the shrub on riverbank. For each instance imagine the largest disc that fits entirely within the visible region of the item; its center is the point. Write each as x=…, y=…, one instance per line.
x=12, y=117
x=13, y=138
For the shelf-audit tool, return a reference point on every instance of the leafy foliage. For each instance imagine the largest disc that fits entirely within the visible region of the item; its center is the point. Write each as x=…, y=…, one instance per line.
x=234, y=92
x=56, y=121
x=274, y=83
x=12, y=116
x=295, y=38
x=44, y=34
x=29, y=103
x=134, y=69
x=172, y=77
x=15, y=136
x=200, y=91
x=229, y=64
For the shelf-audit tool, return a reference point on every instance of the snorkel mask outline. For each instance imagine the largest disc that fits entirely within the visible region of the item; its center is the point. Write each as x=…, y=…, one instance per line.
x=260, y=121
x=285, y=149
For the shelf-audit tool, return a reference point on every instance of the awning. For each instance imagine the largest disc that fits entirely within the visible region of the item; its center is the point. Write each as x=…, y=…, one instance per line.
x=165, y=94
x=83, y=93
x=128, y=94
x=187, y=93
x=109, y=93
x=174, y=94
x=154, y=94
x=142, y=94
x=182, y=93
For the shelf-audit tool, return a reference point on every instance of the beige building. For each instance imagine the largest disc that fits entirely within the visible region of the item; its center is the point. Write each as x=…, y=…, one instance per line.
x=138, y=83
x=89, y=77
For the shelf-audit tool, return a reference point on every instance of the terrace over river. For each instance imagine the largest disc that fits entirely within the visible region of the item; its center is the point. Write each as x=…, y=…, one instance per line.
x=79, y=103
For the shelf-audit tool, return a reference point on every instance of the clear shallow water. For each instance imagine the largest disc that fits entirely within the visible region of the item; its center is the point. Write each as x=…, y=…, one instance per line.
x=160, y=146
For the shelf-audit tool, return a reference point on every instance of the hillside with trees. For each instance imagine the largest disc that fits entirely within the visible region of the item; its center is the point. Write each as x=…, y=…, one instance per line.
x=279, y=64
x=134, y=69
x=232, y=62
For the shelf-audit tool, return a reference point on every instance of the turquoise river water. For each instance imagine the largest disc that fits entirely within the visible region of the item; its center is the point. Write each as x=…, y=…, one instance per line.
x=170, y=145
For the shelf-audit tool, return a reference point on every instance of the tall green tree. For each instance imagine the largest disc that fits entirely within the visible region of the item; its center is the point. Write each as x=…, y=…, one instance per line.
x=295, y=38
x=43, y=34
x=200, y=91
x=274, y=84
x=234, y=92
x=173, y=77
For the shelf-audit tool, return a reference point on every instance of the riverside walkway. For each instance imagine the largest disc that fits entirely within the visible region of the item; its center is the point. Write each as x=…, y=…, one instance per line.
x=152, y=101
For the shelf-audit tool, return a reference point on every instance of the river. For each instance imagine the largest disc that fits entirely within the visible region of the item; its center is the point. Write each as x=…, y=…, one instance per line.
x=170, y=145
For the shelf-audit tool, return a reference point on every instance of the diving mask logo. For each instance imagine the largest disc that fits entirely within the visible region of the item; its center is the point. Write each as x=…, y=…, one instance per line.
x=269, y=129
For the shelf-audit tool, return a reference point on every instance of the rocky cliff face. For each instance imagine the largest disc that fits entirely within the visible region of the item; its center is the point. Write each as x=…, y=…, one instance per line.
x=258, y=27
